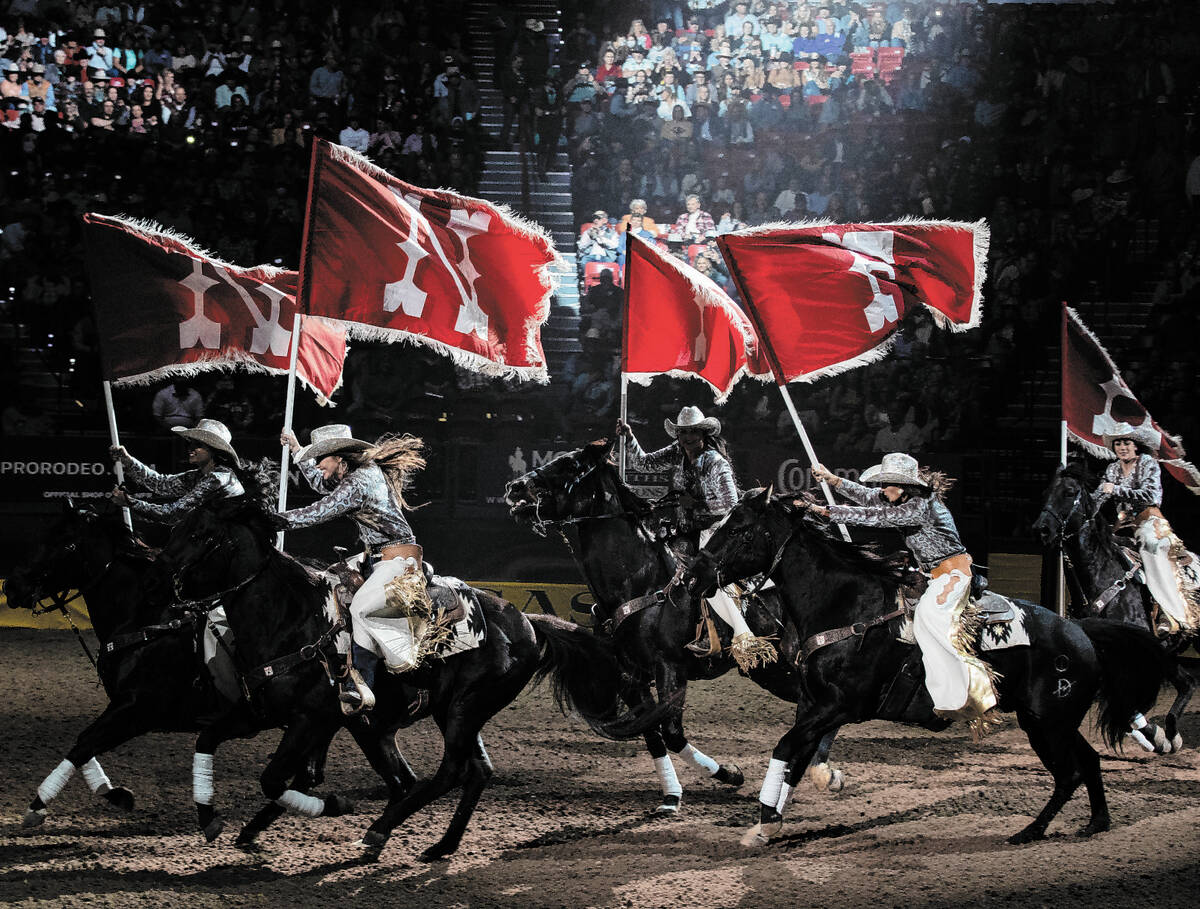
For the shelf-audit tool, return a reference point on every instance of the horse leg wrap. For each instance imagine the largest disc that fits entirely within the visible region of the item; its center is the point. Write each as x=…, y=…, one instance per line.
x=785, y=793
x=95, y=777
x=202, y=778
x=307, y=805
x=700, y=759
x=1136, y=735
x=53, y=784
x=672, y=790
x=773, y=783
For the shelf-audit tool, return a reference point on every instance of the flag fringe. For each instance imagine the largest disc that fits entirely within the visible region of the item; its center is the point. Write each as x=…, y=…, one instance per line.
x=527, y=227
x=1087, y=332
x=719, y=396
x=1188, y=468
x=1096, y=451
x=231, y=361
x=470, y=361
x=981, y=235
x=874, y=355
x=147, y=228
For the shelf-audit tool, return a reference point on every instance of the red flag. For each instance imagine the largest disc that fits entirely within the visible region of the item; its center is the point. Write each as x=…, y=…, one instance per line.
x=1095, y=399
x=678, y=322
x=828, y=297
x=429, y=266
x=166, y=308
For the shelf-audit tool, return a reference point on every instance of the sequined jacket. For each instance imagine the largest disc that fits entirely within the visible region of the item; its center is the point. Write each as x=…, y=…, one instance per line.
x=363, y=496
x=1141, y=489
x=709, y=480
x=926, y=522
x=189, y=489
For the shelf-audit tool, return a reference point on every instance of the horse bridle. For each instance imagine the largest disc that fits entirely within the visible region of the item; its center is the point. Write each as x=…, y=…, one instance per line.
x=539, y=524
x=1063, y=524
x=743, y=538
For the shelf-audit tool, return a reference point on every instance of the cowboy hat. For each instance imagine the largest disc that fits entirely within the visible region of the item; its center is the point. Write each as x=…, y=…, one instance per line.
x=896, y=469
x=1144, y=435
x=212, y=433
x=331, y=439
x=693, y=418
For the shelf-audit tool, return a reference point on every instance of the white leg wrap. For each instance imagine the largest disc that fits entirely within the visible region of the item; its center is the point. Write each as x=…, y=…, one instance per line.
x=666, y=776
x=785, y=793
x=53, y=784
x=1141, y=739
x=700, y=759
x=772, y=786
x=202, y=778
x=307, y=805
x=1139, y=721
x=95, y=777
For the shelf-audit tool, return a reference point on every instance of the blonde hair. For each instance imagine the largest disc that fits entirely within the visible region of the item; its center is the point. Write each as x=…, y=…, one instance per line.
x=398, y=456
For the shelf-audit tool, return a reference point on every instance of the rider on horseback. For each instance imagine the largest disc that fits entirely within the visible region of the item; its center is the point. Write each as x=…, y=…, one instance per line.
x=1134, y=482
x=702, y=480
x=909, y=499
x=214, y=477
x=365, y=483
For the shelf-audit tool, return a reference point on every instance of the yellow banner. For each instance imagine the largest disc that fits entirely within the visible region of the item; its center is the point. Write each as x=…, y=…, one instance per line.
x=569, y=601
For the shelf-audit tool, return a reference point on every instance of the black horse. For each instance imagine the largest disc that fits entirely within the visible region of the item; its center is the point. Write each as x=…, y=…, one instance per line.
x=1101, y=572
x=276, y=608
x=147, y=660
x=846, y=593
x=622, y=560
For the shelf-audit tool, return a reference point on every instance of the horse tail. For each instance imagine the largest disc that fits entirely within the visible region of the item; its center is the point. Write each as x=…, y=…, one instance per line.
x=587, y=678
x=1133, y=667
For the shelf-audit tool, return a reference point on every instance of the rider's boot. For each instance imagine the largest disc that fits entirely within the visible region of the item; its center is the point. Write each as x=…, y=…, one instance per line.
x=355, y=694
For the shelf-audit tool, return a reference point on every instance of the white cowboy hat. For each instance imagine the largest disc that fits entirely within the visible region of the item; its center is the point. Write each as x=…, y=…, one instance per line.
x=326, y=440
x=212, y=433
x=1144, y=435
x=693, y=418
x=896, y=469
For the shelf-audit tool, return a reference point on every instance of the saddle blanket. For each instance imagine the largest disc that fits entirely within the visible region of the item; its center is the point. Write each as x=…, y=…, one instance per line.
x=458, y=623
x=1004, y=634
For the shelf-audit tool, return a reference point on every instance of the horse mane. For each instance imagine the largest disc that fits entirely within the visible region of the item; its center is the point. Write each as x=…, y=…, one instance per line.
x=260, y=480
x=1078, y=469
x=629, y=500
x=858, y=558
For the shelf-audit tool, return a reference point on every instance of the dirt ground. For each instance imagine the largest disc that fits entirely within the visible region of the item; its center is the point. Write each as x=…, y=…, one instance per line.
x=922, y=819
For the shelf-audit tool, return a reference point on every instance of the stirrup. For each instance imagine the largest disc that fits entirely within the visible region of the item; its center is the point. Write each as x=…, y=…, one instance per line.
x=354, y=694
x=700, y=646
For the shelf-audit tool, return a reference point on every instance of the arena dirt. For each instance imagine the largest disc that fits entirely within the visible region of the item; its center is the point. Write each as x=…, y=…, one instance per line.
x=567, y=822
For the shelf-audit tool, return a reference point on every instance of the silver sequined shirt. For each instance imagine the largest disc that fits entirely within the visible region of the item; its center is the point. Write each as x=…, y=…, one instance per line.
x=926, y=522
x=712, y=470
x=363, y=496
x=1141, y=489
x=189, y=489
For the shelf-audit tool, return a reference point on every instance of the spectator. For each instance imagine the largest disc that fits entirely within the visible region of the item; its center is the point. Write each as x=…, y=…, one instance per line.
x=327, y=85
x=694, y=224
x=354, y=136
x=599, y=241
x=178, y=404
x=638, y=209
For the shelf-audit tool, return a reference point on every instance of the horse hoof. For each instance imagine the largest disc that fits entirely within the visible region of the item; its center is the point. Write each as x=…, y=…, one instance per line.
x=758, y=837
x=730, y=776
x=337, y=806
x=34, y=817
x=436, y=853
x=670, y=805
x=372, y=839
x=1025, y=836
x=1161, y=744
x=1177, y=743
x=820, y=776
x=837, y=781
x=120, y=798
x=213, y=829
x=1094, y=827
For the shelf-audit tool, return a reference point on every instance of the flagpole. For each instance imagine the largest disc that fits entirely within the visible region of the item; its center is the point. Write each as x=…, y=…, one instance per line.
x=288, y=410
x=301, y=307
x=625, y=355
x=118, y=467
x=1062, y=453
x=780, y=379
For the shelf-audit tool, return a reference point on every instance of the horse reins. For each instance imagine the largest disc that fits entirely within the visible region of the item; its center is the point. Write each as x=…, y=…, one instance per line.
x=1100, y=602
x=60, y=602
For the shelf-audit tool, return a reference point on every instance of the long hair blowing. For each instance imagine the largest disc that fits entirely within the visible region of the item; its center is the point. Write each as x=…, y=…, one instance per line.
x=398, y=456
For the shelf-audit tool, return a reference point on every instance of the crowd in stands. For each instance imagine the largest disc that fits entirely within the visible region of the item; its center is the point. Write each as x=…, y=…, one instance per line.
x=200, y=115
x=1071, y=129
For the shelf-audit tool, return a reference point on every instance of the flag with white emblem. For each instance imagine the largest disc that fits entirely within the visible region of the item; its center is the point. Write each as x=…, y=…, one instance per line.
x=1096, y=402
x=679, y=322
x=829, y=297
x=398, y=262
x=165, y=308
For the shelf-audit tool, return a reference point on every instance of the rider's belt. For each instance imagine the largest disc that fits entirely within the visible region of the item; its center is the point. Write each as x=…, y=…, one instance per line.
x=1150, y=511
x=960, y=562
x=401, y=551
